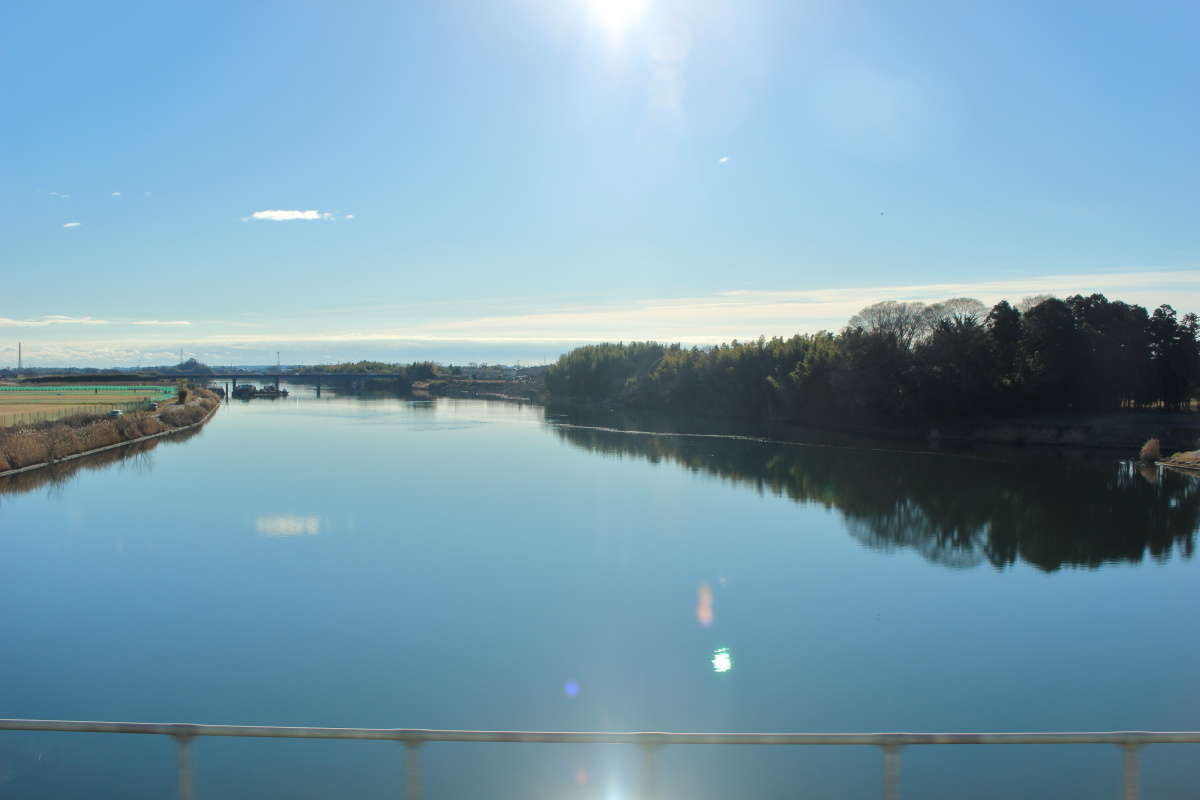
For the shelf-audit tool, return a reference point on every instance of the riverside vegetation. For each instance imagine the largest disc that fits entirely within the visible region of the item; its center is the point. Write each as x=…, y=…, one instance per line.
x=910, y=363
x=45, y=442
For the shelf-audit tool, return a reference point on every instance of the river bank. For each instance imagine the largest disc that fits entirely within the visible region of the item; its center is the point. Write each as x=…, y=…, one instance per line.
x=25, y=448
x=522, y=391
x=1187, y=460
x=1124, y=431
x=1118, y=432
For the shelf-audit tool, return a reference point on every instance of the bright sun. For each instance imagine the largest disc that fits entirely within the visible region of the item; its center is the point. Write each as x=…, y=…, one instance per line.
x=617, y=16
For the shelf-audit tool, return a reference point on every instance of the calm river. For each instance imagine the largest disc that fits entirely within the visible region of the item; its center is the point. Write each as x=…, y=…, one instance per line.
x=343, y=561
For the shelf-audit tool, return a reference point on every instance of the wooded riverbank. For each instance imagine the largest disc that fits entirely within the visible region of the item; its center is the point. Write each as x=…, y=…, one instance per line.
x=1084, y=371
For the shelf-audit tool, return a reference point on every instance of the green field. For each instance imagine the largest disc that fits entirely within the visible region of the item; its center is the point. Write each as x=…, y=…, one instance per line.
x=31, y=404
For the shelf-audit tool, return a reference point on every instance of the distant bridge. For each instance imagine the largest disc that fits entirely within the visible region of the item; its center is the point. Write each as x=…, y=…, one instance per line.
x=270, y=376
x=267, y=376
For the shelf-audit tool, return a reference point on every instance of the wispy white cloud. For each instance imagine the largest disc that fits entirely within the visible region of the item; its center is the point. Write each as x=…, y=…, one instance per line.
x=349, y=216
x=72, y=224
x=51, y=319
x=60, y=195
x=281, y=215
x=742, y=314
x=723, y=160
x=161, y=322
x=63, y=319
x=116, y=194
x=707, y=319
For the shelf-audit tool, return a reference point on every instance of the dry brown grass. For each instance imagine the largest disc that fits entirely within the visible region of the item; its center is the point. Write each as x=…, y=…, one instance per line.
x=202, y=394
x=66, y=470
x=63, y=440
x=41, y=442
x=178, y=416
x=1151, y=451
x=1189, y=459
x=200, y=403
x=25, y=446
x=99, y=434
x=150, y=424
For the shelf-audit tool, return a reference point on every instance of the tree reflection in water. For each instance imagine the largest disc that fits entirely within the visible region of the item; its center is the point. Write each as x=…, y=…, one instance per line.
x=957, y=510
x=137, y=456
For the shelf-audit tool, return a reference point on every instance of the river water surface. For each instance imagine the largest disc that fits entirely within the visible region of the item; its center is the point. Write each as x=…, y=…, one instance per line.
x=342, y=561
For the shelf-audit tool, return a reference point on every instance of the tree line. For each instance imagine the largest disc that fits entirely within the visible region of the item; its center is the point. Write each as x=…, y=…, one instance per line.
x=907, y=361
x=416, y=371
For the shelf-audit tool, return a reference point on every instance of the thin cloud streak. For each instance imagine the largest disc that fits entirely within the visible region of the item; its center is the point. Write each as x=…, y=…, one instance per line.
x=735, y=314
x=51, y=319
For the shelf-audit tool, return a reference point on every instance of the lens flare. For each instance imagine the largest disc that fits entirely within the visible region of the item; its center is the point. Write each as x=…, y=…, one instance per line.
x=704, y=605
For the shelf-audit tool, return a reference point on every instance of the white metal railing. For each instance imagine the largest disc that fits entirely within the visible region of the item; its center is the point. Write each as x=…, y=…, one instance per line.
x=890, y=744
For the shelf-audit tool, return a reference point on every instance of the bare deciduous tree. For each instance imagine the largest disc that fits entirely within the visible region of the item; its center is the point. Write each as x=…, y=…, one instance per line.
x=905, y=321
x=958, y=311
x=1033, y=300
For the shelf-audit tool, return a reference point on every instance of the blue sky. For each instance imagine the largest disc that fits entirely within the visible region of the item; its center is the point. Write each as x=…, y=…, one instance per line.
x=497, y=181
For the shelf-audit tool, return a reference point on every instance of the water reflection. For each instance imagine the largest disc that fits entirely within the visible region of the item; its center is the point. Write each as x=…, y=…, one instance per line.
x=137, y=456
x=955, y=510
x=285, y=525
x=722, y=660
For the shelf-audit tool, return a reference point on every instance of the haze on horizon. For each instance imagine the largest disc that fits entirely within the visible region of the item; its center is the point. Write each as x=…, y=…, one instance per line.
x=502, y=181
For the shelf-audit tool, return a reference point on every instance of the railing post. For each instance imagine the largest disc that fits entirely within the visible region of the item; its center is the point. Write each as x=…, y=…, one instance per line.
x=1132, y=769
x=649, y=770
x=183, y=766
x=891, y=771
x=412, y=771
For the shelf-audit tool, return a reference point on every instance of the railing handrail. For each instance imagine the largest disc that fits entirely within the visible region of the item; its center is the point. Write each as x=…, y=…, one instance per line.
x=1130, y=742
x=420, y=735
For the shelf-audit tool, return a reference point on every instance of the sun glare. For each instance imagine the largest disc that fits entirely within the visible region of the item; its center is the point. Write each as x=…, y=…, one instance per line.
x=617, y=16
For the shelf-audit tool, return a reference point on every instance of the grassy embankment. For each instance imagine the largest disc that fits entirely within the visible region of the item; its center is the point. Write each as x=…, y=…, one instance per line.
x=44, y=442
x=61, y=472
